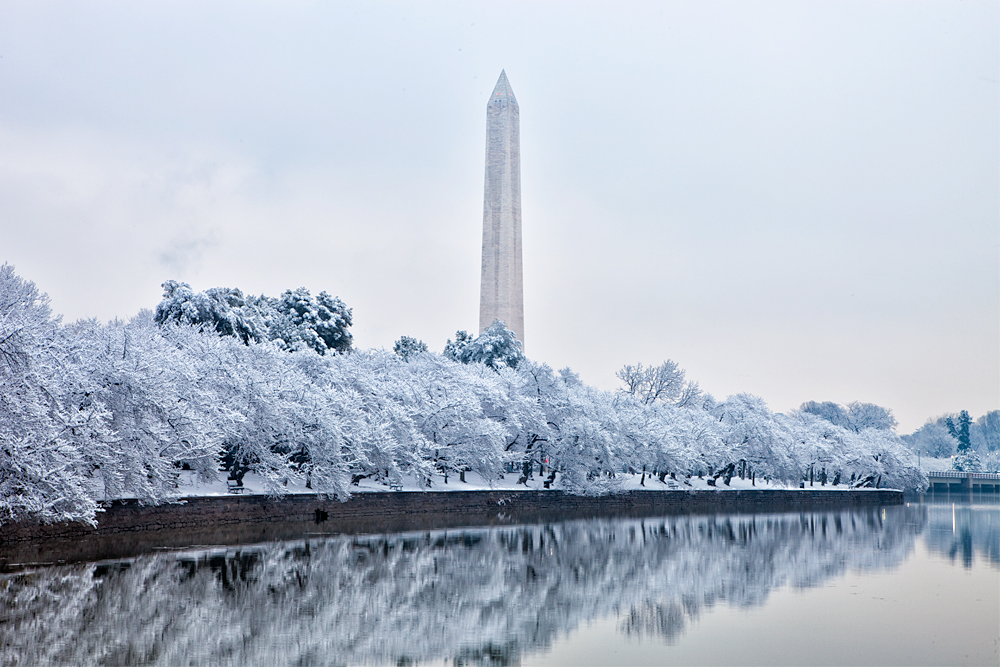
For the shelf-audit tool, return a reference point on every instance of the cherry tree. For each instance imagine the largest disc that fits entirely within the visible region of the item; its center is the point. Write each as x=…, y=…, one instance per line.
x=51, y=442
x=658, y=383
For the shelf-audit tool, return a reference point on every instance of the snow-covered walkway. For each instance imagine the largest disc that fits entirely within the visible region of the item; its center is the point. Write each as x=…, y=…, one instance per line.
x=189, y=486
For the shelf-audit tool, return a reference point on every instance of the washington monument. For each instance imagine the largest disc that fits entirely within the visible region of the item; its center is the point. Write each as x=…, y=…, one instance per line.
x=501, y=295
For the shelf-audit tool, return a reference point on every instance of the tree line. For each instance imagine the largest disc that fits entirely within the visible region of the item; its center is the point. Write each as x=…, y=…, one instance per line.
x=973, y=444
x=92, y=411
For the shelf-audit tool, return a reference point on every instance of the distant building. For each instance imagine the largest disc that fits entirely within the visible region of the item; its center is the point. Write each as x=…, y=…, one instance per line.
x=501, y=294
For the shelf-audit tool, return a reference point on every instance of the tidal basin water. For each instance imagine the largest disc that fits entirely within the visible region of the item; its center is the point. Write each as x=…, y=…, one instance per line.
x=907, y=585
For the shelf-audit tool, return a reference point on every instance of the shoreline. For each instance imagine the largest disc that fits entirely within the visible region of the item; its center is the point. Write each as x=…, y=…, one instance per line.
x=127, y=528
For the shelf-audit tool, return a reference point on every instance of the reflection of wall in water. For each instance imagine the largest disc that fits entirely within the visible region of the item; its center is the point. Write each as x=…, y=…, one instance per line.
x=485, y=595
x=961, y=531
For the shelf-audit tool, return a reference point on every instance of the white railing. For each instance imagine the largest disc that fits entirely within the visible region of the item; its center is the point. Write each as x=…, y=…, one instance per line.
x=955, y=474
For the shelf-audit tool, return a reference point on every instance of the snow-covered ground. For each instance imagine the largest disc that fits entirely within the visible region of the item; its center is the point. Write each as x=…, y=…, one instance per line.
x=929, y=464
x=190, y=486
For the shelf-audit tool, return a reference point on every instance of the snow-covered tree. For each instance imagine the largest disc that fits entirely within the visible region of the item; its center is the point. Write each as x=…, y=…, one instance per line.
x=967, y=461
x=406, y=347
x=658, y=383
x=868, y=415
x=774, y=448
x=966, y=458
x=54, y=434
x=828, y=410
x=959, y=429
x=296, y=320
x=985, y=432
x=931, y=439
x=456, y=350
x=856, y=416
x=497, y=347
x=221, y=309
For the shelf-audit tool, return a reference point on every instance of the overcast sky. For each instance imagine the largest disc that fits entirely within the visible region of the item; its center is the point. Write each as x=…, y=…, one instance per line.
x=796, y=200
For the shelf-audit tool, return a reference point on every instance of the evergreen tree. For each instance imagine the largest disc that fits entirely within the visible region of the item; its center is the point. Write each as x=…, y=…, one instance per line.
x=966, y=459
x=295, y=321
x=497, y=347
x=298, y=321
x=219, y=309
x=406, y=347
x=456, y=351
x=960, y=431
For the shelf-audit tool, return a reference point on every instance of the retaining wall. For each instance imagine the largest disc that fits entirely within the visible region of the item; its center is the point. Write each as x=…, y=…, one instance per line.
x=126, y=528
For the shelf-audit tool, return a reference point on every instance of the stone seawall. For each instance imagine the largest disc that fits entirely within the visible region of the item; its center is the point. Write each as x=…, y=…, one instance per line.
x=126, y=528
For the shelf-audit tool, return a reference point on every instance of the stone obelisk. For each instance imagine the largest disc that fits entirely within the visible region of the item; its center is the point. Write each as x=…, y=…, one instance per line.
x=501, y=295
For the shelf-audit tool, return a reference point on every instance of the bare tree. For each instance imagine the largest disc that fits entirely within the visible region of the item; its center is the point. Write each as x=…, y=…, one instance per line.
x=659, y=383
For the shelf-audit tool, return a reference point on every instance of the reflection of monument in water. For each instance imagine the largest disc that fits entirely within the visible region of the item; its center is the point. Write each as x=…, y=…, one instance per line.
x=501, y=295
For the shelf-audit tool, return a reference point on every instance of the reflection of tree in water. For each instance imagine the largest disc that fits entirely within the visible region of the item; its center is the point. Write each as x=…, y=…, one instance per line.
x=477, y=596
x=962, y=531
x=659, y=619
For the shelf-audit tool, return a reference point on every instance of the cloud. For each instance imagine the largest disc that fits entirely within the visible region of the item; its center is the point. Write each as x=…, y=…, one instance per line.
x=184, y=255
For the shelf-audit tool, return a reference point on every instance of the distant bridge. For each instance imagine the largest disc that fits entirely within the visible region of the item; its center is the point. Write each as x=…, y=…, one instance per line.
x=953, y=481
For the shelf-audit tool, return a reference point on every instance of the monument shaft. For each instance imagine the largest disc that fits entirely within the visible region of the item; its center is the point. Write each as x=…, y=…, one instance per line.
x=501, y=295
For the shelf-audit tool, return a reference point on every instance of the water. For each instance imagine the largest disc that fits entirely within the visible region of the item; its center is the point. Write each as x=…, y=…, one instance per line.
x=914, y=584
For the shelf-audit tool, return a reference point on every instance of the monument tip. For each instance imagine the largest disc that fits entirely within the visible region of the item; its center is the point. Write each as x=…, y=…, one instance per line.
x=503, y=89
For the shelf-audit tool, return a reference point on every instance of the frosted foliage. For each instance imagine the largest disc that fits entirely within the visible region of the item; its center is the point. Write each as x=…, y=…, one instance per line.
x=932, y=439
x=855, y=417
x=454, y=350
x=869, y=415
x=406, y=347
x=294, y=321
x=299, y=321
x=967, y=462
x=94, y=411
x=465, y=595
x=828, y=410
x=659, y=383
x=52, y=434
x=25, y=319
x=497, y=347
x=223, y=309
x=986, y=432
